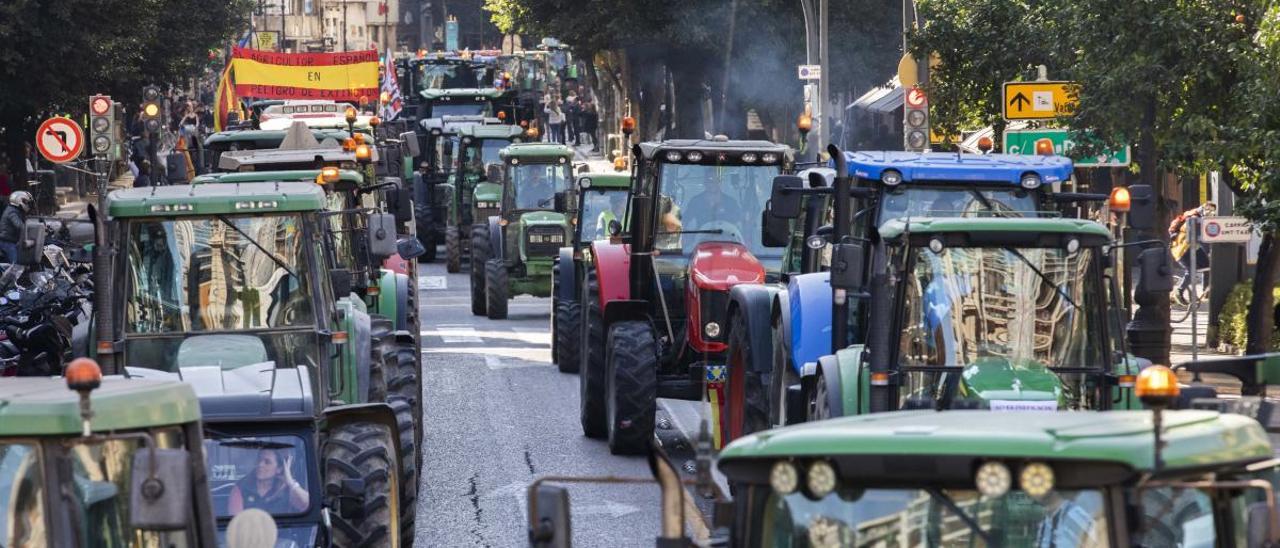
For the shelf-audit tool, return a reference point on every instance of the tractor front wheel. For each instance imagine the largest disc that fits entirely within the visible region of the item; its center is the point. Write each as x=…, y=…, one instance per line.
x=632, y=393
x=568, y=322
x=591, y=358
x=819, y=409
x=479, y=255
x=361, y=451
x=408, y=467
x=452, y=250
x=495, y=288
x=426, y=233
x=747, y=401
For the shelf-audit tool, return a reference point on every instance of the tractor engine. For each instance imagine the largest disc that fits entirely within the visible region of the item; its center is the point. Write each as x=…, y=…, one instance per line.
x=714, y=268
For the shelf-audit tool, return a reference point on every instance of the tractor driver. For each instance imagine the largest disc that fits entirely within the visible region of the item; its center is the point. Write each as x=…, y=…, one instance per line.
x=270, y=486
x=712, y=205
x=536, y=191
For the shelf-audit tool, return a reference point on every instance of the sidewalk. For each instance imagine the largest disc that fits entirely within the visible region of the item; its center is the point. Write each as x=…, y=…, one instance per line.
x=1180, y=350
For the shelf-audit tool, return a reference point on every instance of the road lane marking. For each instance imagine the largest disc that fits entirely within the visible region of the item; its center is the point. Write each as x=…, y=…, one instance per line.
x=433, y=282
x=456, y=334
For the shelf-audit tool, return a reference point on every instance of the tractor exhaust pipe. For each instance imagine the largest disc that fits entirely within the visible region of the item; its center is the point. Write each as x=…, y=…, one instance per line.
x=840, y=226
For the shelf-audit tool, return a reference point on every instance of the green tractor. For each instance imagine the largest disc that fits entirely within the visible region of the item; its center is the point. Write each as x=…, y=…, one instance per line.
x=512, y=251
x=102, y=462
x=432, y=195
x=601, y=199
x=473, y=197
x=233, y=286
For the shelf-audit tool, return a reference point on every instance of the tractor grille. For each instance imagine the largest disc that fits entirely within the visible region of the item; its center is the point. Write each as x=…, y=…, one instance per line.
x=714, y=304
x=483, y=213
x=543, y=241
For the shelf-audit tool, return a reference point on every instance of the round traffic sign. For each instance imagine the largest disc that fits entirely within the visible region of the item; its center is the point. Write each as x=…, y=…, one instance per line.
x=59, y=139
x=1212, y=229
x=915, y=97
x=100, y=105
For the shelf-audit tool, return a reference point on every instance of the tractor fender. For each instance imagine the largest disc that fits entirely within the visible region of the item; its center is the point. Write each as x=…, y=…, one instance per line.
x=619, y=310
x=854, y=380
x=567, y=279
x=379, y=413
x=830, y=369
x=754, y=303
x=781, y=316
x=495, y=240
x=356, y=354
x=613, y=270
x=392, y=291
x=809, y=315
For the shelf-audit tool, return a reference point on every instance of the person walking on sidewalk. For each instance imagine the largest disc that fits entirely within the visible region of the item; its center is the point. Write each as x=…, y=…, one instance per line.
x=591, y=123
x=572, y=111
x=555, y=123
x=12, y=222
x=1180, y=246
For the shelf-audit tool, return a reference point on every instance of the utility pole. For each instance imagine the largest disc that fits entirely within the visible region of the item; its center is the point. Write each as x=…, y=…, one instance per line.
x=811, y=50
x=344, y=25
x=824, y=129
x=280, y=46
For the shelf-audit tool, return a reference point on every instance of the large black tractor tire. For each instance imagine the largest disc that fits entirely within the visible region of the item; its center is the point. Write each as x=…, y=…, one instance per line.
x=452, y=250
x=632, y=394
x=568, y=324
x=426, y=232
x=746, y=387
x=408, y=467
x=783, y=376
x=480, y=253
x=361, y=451
x=496, y=289
x=819, y=408
x=403, y=374
x=377, y=371
x=591, y=385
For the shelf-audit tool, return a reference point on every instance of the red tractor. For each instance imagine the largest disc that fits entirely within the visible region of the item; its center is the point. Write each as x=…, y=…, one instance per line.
x=657, y=290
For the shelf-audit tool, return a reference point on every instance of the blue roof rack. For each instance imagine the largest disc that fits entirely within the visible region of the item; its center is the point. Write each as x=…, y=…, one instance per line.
x=958, y=167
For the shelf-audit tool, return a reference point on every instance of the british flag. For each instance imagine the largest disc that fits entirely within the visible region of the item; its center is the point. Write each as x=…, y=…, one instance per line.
x=391, y=102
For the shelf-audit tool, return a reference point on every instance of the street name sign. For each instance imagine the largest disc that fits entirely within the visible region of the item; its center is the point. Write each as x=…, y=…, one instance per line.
x=1225, y=230
x=60, y=140
x=1023, y=141
x=809, y=72
x=1038, y=100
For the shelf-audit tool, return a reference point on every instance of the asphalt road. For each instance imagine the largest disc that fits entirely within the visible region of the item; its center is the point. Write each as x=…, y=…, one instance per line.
x=499, y=415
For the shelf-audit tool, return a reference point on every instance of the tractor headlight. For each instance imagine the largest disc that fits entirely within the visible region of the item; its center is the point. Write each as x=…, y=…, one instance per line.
x=749, y=157
x=820, y=479
x=1036, y=479
x=673, y=156
x=712, y=329
x=891, y=177
x=784, y=478
x=694, y=156
x=487, y=205
x=769, y=157
x=993, y=479
x=1031, y=181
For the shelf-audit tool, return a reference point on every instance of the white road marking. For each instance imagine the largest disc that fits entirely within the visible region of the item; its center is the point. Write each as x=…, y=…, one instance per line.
x=433, y=282
x=455, y=334
x=495, y=362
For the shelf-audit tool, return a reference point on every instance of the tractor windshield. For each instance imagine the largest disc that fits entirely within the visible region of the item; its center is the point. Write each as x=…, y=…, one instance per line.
x=534, y=186
x=22, y=496
x=929, y=517
x=701, y=203
x=457, y=109
x=264, y=472
x=957, y=201
x=598, y=208
x=1004, y=316
x=478, y=156
x=444, y=76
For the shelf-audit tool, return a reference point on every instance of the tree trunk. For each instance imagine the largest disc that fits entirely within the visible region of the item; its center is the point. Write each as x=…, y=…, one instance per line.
x=687, y=80
x=1261, y=318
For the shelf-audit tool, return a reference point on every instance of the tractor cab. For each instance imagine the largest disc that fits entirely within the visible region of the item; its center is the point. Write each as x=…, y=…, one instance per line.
x=256, y=139
x=513, y=248
x=474, y=183
x=88, y=460
x=433, y=192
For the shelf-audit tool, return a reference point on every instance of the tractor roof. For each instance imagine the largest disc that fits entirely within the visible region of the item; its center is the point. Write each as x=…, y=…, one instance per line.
x=170, y=201
x=269, y=138
x=491, y=131
x=265, y=158
x=255, y=391
x=958, y=167
x=1122, y=439
x=1000, y=226
x=719, y=144
x=453, y=124
x=610, y=181
x=462, y=93
x=536, y=152
x=303, y=175
x=43, y=406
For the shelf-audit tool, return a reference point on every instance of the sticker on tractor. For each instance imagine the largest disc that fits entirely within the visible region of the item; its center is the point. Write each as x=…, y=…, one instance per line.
x=715, y=373
x=1018, y=405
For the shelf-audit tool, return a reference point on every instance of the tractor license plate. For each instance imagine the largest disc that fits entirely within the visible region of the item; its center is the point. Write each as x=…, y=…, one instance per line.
x=1017, y=405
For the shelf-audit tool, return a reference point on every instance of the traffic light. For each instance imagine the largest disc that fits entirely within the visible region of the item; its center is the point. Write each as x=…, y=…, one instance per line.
x=915, y=120
x=152, y=109
x=102, y=135
x=1142, y=208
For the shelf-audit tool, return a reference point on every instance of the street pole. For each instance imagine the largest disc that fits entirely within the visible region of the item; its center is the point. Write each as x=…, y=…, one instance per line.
x=280, y=46
x=1193, y=238
x=344, y=25
x=810, y=44
x=824, y=131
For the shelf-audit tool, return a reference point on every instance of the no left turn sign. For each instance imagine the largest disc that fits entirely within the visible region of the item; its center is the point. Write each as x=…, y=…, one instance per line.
x=60, y=140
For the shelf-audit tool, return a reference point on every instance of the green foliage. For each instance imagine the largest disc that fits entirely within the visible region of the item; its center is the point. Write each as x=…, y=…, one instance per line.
x=1233, y=320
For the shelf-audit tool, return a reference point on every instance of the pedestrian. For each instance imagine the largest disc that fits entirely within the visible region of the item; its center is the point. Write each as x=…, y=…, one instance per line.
x=555, y=123
x=573, y=112
x=1180, y=246
x=12, y=222
x=144, y=174
x=29, y=156
x=591, y=123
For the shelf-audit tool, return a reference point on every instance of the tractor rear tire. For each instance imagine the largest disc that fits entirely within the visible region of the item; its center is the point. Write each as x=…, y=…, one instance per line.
x=426, y=233
x=403, y=374
x=591, y=385
x=632, y=395
x=452, y=250
x=568, y=324
x=746, y=389
x=408, y=467
x=480, y=253
x=819, y=408
x=779, y=381
x=495, y=288
x=361, y=451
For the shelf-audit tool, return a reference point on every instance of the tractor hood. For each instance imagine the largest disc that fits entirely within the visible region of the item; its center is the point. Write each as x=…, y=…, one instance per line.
x=722, y=265
x=488, y=192
x=1001, y=384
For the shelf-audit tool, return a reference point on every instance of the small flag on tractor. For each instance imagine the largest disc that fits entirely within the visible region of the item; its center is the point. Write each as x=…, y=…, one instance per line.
x=390, y=95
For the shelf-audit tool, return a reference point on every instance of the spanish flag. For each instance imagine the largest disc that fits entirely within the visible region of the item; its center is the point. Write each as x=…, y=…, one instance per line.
x=227, y=100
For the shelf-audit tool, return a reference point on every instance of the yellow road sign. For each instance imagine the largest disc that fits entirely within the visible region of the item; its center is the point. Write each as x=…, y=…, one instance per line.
x=1039, y=100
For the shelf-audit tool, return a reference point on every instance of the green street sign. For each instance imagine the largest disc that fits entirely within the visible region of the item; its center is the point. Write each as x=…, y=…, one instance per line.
x=1023, y=141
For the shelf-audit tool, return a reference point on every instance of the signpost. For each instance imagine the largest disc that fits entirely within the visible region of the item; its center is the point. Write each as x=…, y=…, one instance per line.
x=60, y=140
x=809, y=72
x=1225, y=230
x=1023, y=141
x=1038, y=100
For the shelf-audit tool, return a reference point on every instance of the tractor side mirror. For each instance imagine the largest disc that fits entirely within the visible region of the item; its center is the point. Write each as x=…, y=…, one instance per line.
x=409, y=144
x=409, y=248
x=340, y=279
x=846, y=266
x=615, y=228
x=549, y=508
x=382, y=235
x=400, y=203
x=774, y=231
x=1157, y=270
x=784, y=202
x=351, y=499
x=31, y=247
x=160, y=489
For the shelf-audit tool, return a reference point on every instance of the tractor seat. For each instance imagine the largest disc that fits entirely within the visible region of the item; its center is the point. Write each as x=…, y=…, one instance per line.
x=224, y=351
